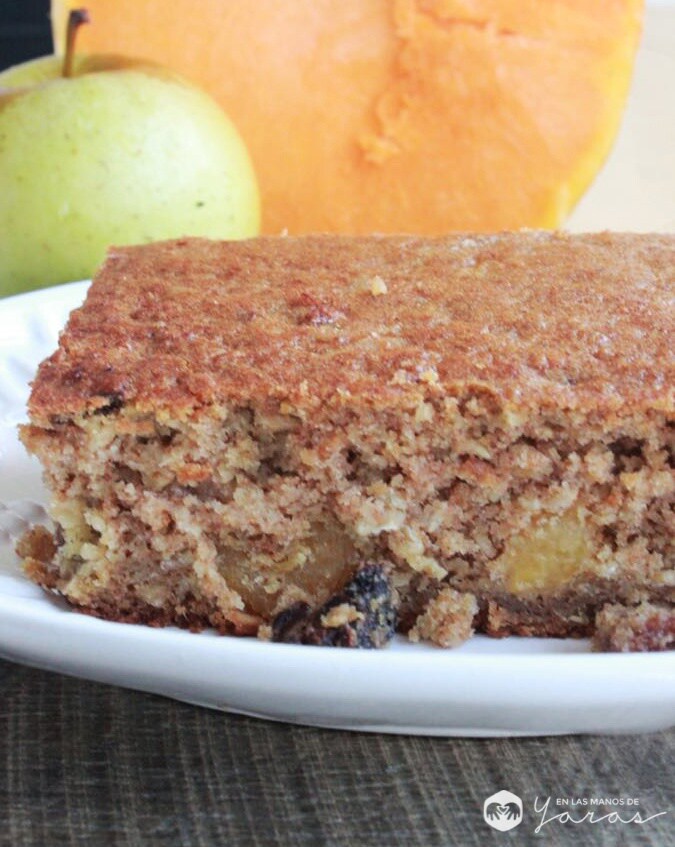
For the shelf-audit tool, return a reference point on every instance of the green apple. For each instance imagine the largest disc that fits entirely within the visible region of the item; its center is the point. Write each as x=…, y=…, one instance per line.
x=105, y=150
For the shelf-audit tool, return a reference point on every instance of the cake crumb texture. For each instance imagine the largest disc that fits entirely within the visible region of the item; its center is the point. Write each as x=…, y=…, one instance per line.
x=247, y=436
x=447, y=620
x=645, y=627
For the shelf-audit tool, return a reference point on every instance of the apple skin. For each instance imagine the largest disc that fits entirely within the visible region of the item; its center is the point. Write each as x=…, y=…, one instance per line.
x=121, y=152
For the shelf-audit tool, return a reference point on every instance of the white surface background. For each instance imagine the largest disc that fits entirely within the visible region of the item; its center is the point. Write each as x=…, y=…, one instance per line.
x=635, y=190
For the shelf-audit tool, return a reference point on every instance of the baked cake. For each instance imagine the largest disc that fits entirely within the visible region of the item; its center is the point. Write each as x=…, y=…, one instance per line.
x=326, y=439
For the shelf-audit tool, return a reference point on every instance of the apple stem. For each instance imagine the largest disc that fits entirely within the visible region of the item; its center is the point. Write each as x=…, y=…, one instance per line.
x=76, y=18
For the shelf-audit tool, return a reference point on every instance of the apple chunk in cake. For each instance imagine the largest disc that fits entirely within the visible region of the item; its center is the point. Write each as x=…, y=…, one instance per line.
x=326, y=439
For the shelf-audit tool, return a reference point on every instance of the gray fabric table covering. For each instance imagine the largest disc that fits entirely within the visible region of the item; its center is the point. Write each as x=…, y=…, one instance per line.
x=89, y=764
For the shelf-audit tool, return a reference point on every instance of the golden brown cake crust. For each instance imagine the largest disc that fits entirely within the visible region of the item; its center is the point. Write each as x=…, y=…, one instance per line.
x=539, y=320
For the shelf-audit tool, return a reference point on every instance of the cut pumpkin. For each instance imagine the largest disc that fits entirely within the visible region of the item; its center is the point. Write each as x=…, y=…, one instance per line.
x=394, y=115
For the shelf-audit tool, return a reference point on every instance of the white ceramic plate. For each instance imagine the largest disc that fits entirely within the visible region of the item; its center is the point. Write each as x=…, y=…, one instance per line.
x=487, y=687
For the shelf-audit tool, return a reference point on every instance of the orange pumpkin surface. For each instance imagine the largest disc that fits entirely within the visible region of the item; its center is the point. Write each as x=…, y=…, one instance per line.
x=395, y=115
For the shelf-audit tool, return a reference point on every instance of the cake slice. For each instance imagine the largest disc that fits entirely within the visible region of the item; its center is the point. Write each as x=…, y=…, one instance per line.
x=324, y=439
